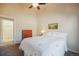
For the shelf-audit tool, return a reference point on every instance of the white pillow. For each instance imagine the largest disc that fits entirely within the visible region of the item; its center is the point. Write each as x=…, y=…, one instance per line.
x=55, y=34
x=60, y=34
x=48, y=33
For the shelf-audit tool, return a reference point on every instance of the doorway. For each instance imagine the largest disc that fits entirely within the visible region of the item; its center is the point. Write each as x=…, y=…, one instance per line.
x=6, y=30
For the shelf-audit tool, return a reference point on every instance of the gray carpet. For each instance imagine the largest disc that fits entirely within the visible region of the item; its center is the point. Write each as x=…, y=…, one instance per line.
x=13, y=50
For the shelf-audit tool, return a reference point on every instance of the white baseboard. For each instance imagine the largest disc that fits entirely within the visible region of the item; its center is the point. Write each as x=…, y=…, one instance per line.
x=73, y=51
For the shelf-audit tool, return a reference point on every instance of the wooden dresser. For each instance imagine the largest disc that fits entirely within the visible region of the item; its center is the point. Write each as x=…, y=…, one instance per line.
x=26, y=33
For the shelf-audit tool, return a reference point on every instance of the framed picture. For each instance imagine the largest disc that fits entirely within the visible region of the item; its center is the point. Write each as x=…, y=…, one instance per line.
x=53, y=26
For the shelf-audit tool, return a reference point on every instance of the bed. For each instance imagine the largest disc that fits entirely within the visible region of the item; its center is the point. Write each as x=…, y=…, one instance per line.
x=49, y=44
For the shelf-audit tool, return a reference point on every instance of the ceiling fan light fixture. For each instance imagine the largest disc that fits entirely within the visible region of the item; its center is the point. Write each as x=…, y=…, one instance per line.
x=35, y=4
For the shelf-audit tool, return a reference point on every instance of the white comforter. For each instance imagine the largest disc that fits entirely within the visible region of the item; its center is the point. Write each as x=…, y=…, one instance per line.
x=44, y=46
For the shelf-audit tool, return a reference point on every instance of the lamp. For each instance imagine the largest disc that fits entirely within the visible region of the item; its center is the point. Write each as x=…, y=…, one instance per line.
x=42, y=31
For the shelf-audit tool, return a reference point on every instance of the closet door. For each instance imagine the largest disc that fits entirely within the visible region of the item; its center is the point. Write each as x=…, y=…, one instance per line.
x=7, y=30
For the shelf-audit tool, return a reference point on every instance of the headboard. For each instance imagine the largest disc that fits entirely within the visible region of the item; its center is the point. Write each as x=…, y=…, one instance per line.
x=26, y=33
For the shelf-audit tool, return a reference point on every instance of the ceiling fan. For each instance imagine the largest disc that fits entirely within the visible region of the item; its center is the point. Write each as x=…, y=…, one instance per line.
x=36, y=5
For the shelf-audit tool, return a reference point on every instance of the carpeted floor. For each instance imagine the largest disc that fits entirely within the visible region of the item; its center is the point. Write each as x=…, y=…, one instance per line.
x=69, y=53
x=10, y=50
x=13, y=50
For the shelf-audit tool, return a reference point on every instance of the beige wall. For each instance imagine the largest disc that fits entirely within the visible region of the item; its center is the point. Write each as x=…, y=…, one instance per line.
x=66, y=15
x=23, y=18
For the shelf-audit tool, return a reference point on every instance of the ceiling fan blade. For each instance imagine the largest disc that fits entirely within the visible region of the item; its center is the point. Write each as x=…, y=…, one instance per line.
x=38, y=7
x=31, y=6
x=42, y=3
